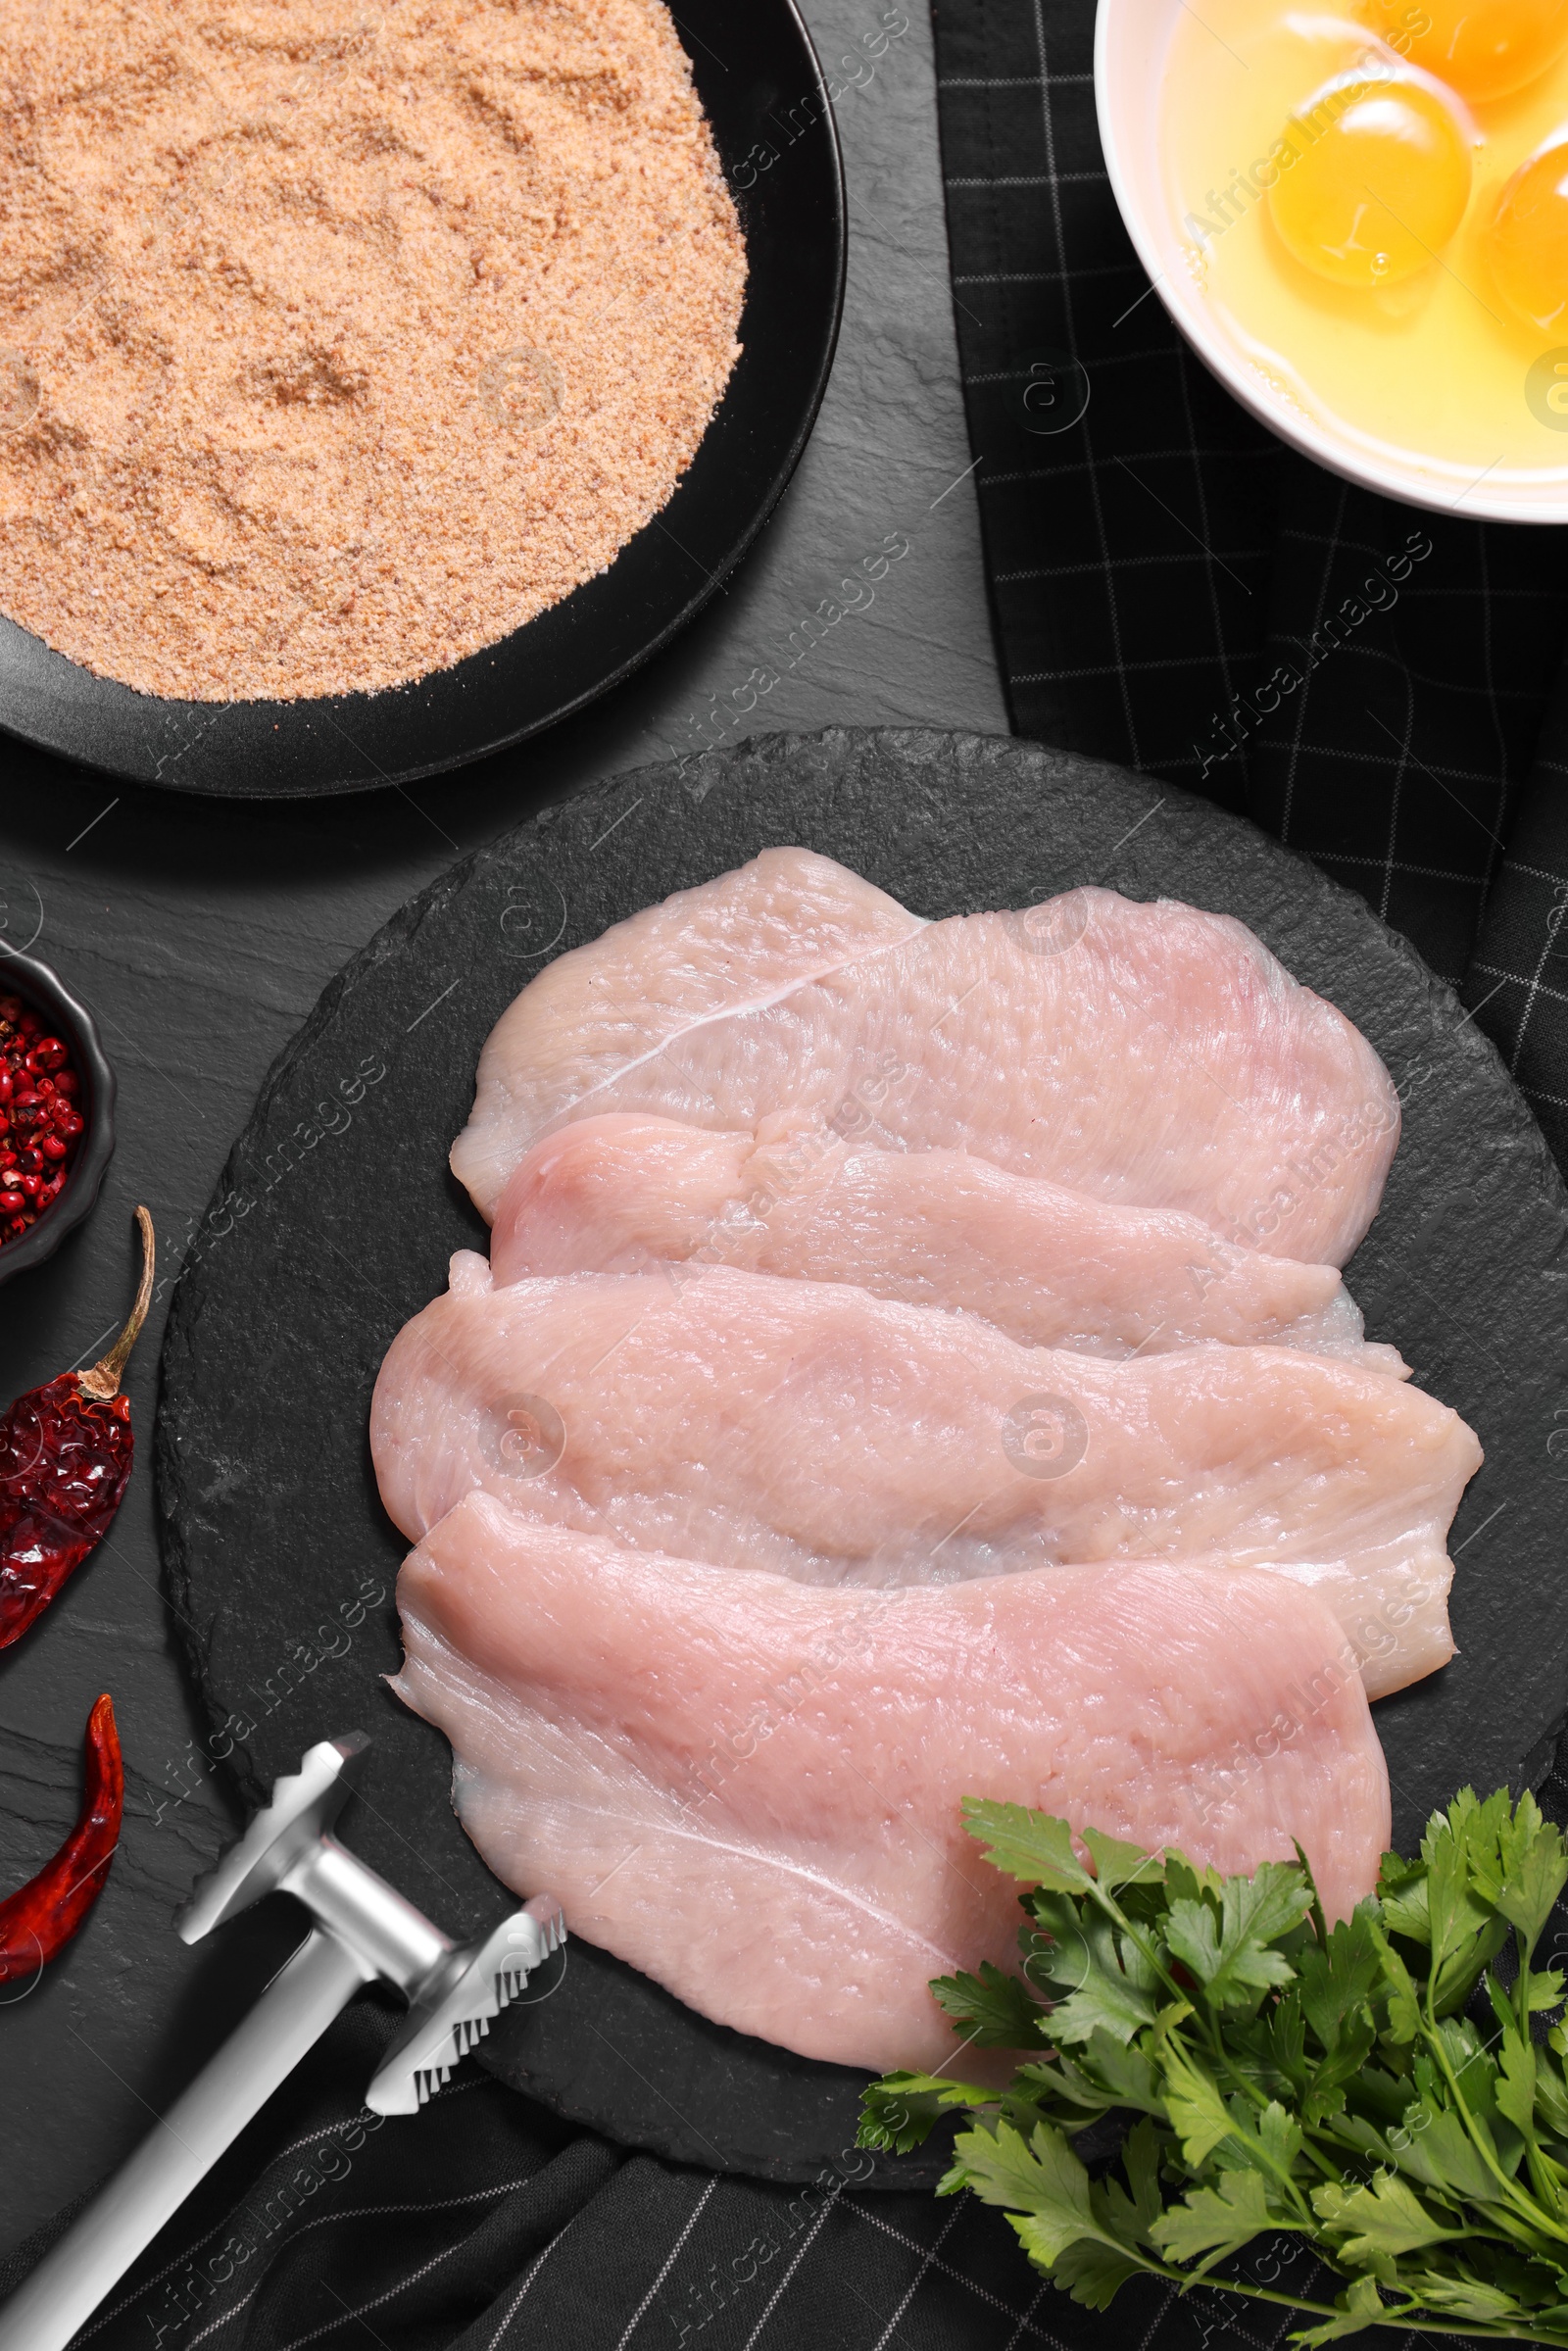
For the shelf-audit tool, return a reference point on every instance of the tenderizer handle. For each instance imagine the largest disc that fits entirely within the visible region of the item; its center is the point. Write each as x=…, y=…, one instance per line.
x=123, y=2218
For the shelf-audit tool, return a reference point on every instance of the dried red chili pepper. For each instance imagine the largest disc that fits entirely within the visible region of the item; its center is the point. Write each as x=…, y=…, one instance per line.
x=65, y=1460
x=41, y=1918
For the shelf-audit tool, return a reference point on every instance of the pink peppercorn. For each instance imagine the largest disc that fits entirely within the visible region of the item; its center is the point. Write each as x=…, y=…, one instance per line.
x=40, y=1123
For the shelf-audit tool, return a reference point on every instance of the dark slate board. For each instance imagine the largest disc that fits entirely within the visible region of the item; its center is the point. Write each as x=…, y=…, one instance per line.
x=336, y=1217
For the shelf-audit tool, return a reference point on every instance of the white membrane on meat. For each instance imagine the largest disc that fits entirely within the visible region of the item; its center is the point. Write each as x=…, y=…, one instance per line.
x=1149, y=1054
x=621, y=1193
x=818, y=1431
x=750, y=1788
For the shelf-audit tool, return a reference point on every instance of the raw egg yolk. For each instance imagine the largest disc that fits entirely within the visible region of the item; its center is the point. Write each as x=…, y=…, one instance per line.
x=1483, y=49
x=1373, y=179
x=1527, y=242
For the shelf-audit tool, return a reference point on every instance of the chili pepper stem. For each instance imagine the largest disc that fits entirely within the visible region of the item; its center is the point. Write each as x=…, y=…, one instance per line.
x=103, y=1380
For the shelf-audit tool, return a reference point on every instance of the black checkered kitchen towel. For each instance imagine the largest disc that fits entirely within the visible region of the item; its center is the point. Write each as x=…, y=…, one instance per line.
x=484, y=2225
x=1174, y=589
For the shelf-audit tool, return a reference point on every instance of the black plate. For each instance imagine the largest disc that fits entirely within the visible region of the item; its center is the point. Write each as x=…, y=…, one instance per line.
x=321, y=1243
x=758, y=76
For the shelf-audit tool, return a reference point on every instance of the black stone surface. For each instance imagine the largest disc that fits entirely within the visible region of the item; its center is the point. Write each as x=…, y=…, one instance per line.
x=336, y=1215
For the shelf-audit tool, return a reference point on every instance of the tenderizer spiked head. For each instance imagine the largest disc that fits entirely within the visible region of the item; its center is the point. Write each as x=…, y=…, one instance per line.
x=301, y=1806
x=456, y=2012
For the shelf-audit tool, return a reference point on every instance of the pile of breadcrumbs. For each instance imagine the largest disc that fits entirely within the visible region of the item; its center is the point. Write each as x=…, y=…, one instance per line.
x=340, y=337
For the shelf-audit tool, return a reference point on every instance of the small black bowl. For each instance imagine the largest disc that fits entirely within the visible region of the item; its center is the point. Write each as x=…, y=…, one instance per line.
x=75, y=1026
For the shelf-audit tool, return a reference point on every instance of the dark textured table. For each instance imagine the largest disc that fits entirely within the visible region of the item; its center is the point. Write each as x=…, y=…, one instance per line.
x=202, y=934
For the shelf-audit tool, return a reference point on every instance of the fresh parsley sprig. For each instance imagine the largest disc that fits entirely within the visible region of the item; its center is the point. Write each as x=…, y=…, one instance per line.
x=1386, y=2090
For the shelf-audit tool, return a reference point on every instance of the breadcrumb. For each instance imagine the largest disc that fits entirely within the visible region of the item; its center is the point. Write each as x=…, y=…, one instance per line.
x=338, y=339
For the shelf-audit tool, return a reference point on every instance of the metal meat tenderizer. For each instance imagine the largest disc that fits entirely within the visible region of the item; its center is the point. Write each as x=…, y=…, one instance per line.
x=363, y=1930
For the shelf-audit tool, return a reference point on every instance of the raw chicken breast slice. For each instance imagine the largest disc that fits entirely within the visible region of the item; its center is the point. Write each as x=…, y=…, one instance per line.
x=730, y=946
x=1152, y=1056
x=751, y=1790
x=816, y=1431
x=1050, y=1268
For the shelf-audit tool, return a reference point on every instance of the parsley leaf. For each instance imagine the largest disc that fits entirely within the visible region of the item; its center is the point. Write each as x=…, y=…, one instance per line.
x=1030, y=1846
x=992, y=2010
x=1536, y=1871
x=1216, y=2221
x=1092, y=2270
x=1040, y=2175
x=896, y=2112
x=1359, y=2308
x=1197, y=2112
x=1385, y=2217
x=1230, y=1954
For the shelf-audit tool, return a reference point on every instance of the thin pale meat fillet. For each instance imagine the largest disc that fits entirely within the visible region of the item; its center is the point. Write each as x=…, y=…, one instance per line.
x=811, y=1429
x=749, y=1789
x=597, y=1010
x=1149, y=1054
x=622, y=1193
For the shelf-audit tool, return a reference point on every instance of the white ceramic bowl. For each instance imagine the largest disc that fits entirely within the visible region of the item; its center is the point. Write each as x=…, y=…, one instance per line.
x=1131, y=41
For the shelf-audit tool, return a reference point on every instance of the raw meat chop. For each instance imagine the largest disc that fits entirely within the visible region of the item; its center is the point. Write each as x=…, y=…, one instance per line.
x=1152, y=1055
x=814, y=1429
x=1051, y=1268
x=787, y=916
x=749, y=1789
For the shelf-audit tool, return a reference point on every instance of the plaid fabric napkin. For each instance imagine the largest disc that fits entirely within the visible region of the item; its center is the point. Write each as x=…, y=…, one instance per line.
x=484, y=2223
x=1174, y=589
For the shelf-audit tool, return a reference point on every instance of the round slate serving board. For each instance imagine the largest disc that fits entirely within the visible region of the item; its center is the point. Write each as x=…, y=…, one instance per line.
x=336, y=1217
